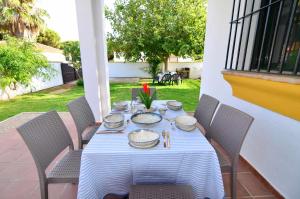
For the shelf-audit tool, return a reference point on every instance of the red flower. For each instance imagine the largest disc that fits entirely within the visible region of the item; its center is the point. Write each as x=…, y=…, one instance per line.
x=146, y=89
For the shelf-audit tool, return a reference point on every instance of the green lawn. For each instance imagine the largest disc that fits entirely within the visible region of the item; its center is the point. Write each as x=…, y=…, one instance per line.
x=42, y=101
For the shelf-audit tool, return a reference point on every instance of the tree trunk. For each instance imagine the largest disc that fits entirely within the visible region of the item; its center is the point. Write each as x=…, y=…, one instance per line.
x=166, y=63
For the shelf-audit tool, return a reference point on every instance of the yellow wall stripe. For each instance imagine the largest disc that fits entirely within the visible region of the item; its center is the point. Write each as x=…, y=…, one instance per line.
x=280, y=97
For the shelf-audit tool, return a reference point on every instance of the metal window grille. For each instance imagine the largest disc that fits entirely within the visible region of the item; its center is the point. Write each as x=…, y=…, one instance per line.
x=264, y=36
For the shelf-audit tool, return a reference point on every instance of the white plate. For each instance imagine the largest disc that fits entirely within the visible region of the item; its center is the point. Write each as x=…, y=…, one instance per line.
x=145, y=146
x=143, y=137
x=114, y=126
x=146, y=118
x=114, y=118
x=121, y=106
x=174, y=105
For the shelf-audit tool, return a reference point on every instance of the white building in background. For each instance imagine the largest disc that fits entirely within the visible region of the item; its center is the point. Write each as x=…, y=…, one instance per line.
x=55, y=57
x=119, y=68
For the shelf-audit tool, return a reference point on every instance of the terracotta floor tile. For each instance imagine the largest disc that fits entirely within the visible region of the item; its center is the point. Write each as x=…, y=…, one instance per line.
x=243, y=167
x=69, y=192
x=18, y=190
x=62, y=191
x=253, y=185
x=11, y=156
x=241, y=191
x=17, y=172
x=55, y=190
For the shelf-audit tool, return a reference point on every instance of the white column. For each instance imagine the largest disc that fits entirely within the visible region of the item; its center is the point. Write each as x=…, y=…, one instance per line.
x=91, y=28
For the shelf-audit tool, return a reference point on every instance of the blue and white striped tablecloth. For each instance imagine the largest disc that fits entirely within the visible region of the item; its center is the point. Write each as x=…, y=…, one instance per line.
x=110, y=165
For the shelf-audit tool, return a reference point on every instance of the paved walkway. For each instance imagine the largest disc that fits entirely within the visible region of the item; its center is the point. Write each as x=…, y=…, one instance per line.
x=18, y=174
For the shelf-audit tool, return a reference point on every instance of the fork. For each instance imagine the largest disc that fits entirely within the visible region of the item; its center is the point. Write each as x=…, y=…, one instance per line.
x=164, y=136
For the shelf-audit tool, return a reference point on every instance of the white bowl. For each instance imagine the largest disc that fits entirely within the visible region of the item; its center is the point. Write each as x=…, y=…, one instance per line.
x=114, y=120
x=121, y=106
x=174, y=105
x=186, y=123
x=143, y=138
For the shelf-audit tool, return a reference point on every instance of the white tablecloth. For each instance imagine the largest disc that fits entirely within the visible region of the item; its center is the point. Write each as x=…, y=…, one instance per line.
x=110, y=165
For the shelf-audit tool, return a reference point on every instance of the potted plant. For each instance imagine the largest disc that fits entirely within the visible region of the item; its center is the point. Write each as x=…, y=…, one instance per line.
x=146, y=97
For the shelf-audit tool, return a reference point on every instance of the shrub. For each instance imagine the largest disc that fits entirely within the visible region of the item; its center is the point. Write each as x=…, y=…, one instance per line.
x=80, y=82
x=154, y=67
x=50, y=38
x=20, y=61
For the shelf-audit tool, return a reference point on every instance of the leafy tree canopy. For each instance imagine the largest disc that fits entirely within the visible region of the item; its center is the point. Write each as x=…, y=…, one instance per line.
x=49, y=37
x=71, y=50
x=153, y=30
x=20, y=61
x=21, y=18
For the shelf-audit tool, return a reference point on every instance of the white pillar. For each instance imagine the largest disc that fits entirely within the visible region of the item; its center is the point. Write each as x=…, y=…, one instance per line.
x=91, y=28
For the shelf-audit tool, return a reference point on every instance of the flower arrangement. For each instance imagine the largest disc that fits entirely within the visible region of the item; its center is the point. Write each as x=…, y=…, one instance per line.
x=145, y=96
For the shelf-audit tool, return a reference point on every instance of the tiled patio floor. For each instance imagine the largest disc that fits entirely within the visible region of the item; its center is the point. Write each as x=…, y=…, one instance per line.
x=19, y=180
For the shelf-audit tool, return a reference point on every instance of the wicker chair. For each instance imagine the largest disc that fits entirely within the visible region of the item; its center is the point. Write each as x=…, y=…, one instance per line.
x=229, y=129
x=166, y=79
x=175, y=78
x=46, y=137
x=84, y=120
x=134, y=93
x=161, y=192
x=205, y=112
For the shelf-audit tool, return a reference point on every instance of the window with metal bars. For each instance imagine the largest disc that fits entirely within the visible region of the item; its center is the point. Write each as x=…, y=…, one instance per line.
x=264, y=37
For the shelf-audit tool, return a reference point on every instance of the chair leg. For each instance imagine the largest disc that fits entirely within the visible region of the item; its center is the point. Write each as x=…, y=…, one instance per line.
x=80, y=144
x=233, y=183
x=44, y=189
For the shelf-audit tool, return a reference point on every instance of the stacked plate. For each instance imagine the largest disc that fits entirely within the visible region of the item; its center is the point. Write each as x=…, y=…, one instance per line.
x=174, y=105
x=186, y=123
x=143, y=138
x=121, y=106
x=114, y=120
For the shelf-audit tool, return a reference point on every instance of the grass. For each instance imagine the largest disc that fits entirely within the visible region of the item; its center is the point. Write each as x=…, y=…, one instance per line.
x=43, y=101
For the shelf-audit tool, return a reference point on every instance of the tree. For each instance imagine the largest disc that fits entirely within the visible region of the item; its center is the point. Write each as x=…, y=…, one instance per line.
x=21, y=18
x=71, y=50
x=156, y=29
x=49, y=37
x=20, y=61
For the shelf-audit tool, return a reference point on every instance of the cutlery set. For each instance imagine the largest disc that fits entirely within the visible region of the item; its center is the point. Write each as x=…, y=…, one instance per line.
x=166, y=136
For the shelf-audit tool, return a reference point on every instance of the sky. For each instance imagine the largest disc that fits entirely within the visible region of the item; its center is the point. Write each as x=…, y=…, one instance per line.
x=63, y=17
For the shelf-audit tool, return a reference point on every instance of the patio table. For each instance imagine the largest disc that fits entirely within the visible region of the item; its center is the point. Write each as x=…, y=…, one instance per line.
x=110, y=165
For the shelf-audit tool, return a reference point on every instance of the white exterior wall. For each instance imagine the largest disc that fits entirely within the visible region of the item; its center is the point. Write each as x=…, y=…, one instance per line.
x=139, y=69
x=272, y=144
x=36, y=84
